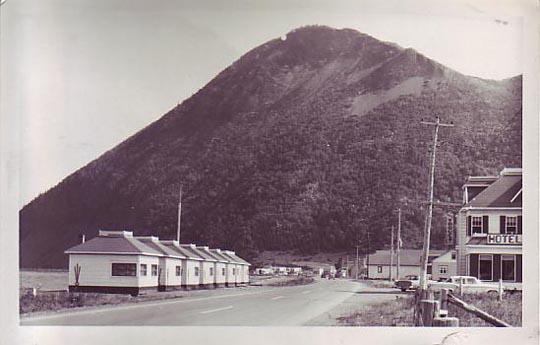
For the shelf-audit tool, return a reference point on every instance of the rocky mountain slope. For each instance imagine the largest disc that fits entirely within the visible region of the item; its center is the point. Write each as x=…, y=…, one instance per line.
x=306, y=143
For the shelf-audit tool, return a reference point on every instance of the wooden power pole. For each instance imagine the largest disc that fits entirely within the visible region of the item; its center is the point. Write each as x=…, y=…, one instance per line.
x=429, y=216
x=179, y=214
x=391, y=253
x=399, y=243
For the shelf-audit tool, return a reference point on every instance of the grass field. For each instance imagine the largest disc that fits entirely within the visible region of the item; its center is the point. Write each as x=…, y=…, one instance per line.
x=400, y=312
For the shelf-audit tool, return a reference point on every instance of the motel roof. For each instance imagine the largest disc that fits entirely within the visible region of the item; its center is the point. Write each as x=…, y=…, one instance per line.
x=153, y=242
x=113, y=245
x=191, y=248
x=213, y=254
x=175, y=246
x=504, y=192
x=123, y=242
x=219, y=253
x=407, y=257
x=233, y=257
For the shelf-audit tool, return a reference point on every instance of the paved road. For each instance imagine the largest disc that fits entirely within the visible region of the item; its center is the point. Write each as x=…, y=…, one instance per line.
x=312, y=304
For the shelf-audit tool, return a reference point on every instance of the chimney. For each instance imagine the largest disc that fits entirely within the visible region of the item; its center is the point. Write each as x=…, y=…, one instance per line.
x=83, y=238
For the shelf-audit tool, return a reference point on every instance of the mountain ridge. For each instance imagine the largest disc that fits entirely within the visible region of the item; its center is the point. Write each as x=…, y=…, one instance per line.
x=274, y=152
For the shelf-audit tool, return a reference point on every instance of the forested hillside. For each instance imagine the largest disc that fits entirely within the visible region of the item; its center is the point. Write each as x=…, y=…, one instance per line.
x=305, y=143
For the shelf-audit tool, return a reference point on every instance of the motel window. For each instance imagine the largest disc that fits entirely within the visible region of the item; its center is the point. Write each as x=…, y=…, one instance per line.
x=485, y=267
x=124, y=270
x=144, y=270
x=443, y=269
x=196, y=271
x=379, y=269
x=211, y=271
x=508, y=267
x=178, y=271
x=476, y=225
x=154, y=270
x=511, y=225
x=223, y=271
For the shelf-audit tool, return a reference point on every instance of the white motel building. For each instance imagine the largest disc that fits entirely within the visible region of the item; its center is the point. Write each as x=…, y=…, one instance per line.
x=118, y=262
x=489, y=241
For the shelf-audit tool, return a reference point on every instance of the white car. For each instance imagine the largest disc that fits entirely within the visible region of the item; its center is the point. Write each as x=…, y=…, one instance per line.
x=469, y=285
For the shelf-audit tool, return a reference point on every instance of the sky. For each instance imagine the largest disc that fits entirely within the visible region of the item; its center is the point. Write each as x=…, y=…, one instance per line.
x=81, y=76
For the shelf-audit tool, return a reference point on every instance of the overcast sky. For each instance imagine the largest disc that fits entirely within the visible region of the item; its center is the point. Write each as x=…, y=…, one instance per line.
x=85, y=75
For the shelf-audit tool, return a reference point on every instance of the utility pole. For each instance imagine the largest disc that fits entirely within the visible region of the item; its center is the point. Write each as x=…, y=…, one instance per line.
x=399, y=243
x=427, y=227
x=368, y=251
x=391, y=253
x=357, y=262
x=179, y=214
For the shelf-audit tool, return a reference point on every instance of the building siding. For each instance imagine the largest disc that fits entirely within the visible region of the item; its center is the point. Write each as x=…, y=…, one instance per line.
x=96, y=270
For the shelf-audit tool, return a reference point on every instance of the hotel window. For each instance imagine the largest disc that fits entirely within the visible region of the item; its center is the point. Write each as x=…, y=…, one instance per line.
x=223, y=271
x=485, y=267
x=211, y=271
x=178, y=271
x=379, y=269
x=154, y=270
x=196, y=271
x=124, y=270
x=511, y=225
x=443, y=269
x=476, y=225
x=453, y=255
x=508, y=267
x=144, y=270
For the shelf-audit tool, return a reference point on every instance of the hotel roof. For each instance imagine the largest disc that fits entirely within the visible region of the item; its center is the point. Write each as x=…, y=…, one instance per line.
x=504, y=192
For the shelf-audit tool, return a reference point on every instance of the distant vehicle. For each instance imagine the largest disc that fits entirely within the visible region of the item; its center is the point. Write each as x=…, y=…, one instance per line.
x=469, y=285
x=410, y=282
x=329, y=275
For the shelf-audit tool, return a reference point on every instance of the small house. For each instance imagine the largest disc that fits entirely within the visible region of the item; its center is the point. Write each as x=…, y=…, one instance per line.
x=444, y=266
x=113, y=262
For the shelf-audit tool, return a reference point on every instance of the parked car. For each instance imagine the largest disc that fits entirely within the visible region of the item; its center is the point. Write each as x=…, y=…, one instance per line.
x=469, y=285
x=410, y=282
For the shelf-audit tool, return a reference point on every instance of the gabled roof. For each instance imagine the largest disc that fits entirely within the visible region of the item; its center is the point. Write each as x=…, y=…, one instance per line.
x=219, y=253
x=153, y=242
x=196, y=252
x=113, y=245
x=212, y=254
x=500, y=193
x=234, y=258
x=181, y=251
x=407, y=257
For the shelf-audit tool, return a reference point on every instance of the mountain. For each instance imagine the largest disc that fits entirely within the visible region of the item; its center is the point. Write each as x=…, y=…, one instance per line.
x=308, y=142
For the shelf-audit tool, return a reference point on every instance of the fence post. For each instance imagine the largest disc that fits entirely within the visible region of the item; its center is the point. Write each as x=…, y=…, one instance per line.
x=500, y=295
x=443, y=298
x=428, y=308
x=446, y=322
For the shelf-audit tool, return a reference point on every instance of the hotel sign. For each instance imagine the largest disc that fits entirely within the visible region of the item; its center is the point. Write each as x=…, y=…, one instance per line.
x=503, y=239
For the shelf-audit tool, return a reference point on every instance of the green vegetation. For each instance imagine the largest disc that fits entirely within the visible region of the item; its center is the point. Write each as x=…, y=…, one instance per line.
x=508, y=310
x=400, y=312
x=54, y=301
x=273, y=155
x=395, y=313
